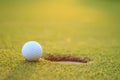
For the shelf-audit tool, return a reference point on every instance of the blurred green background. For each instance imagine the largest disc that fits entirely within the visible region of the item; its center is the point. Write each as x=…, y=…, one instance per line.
x=47, y=21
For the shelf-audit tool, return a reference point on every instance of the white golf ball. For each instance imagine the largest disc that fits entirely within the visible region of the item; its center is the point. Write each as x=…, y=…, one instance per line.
x=32, y=51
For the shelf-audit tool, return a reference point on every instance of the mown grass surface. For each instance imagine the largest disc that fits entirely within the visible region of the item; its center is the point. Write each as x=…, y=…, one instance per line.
x=71, y=27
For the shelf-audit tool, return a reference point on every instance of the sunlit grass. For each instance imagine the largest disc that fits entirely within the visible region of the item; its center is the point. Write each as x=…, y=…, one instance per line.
x=84, y=28
x=66, y=12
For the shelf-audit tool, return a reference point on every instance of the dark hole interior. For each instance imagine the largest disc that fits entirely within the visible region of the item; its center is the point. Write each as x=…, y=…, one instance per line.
x=71, y=58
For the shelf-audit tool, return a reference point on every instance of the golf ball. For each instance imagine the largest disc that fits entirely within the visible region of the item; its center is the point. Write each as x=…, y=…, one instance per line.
x=32, y=51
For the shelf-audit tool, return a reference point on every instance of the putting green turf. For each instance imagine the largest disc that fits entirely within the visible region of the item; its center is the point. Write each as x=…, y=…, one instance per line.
x=87, y=28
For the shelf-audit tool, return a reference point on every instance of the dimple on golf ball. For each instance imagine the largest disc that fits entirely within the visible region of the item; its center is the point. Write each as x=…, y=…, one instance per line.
x=32, y=51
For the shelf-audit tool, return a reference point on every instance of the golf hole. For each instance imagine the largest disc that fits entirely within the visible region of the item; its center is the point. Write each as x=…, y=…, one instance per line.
x=67, y=59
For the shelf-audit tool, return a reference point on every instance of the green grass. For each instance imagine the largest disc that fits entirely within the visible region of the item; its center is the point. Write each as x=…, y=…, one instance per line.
x=85, y=28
